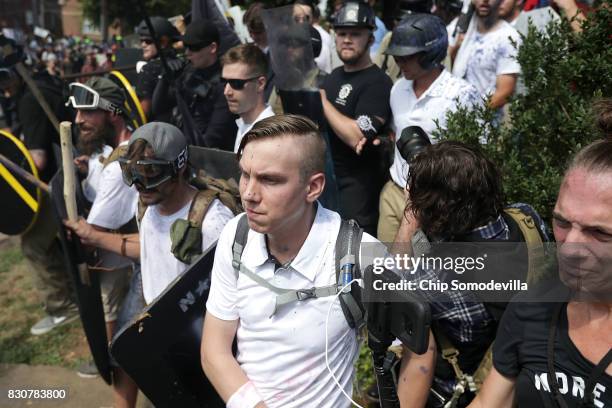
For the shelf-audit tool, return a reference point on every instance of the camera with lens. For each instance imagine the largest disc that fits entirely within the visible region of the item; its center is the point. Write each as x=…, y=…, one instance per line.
x=412, y=140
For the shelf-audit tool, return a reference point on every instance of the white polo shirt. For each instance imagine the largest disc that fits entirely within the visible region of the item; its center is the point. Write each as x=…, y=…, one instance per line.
x=243, y=128
x=159, y=266
x=442, y=96
x=95, y=165
x=283, y=354
x=490, y=55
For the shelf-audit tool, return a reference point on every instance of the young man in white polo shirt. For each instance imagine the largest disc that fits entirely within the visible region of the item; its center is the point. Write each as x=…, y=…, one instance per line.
x=244, y=77
x=423, y=98
x=486, y=57
x=290, y=244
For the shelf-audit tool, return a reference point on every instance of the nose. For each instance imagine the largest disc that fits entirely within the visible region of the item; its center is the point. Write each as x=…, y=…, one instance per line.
x=250, y=191
x=227, y=89
x=79, y=117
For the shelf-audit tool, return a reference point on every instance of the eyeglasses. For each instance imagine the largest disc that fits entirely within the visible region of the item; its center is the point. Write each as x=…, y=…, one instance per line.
x=237, y=84
x=84, y=97
x=146, y=40
x=196, y=47
x=402, y=59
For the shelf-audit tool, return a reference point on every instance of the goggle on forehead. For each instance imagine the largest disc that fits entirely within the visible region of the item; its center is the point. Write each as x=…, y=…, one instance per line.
x=86, y=98
x=150, y=173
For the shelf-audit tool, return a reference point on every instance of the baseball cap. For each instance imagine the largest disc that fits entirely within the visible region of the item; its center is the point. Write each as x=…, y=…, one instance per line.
x=166, y=140
x=201, y=33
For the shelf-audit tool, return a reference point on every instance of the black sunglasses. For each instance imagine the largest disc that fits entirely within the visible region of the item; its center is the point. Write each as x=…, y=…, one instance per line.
x=196, y=47
x=146, y=40
x=237, y=84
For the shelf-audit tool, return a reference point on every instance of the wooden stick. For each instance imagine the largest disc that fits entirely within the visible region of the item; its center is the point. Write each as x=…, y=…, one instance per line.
x=23, y=174
x=70, y=188
x=23, y=72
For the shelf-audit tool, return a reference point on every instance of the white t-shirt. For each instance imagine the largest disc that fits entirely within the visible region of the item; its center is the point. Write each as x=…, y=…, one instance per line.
x=95, y=165
x=283, y=354
x=114, y=206
x=324, y=60
x=159, y=266
x=442, y=96
x=115, y=202
x=243, y=128
x=490, y=55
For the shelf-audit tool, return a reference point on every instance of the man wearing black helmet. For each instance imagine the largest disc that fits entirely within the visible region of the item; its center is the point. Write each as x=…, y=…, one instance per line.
x=148, y=77
x=422, y=97
x=204, y=115
x=355, y=100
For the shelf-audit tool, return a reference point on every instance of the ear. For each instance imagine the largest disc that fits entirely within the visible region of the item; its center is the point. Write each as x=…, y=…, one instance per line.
x=261, y=83
x=371, y=39
x=314, y=187
x=214, y=47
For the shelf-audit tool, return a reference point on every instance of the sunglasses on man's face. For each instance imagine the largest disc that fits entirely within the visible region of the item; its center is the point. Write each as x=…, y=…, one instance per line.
x=196, y=47
x=237, y=84
x=146, y=41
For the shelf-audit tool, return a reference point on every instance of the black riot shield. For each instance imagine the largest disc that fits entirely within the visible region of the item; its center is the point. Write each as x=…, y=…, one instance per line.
x=20, y=199
x=160, y=349
x=89, y=299
x=216, y=163
x=304, y=102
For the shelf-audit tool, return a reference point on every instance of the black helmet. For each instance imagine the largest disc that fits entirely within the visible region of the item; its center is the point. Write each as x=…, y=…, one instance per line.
x=355, y=14
x=161, y=26
x=404, y=8
x=420, y=33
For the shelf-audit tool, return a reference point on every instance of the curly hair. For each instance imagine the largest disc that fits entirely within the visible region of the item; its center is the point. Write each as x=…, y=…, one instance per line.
x=454, y=188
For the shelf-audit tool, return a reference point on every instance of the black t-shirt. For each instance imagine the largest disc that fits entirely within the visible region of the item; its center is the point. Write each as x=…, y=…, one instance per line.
x=38, y=132
x=361, y=95
x=519, y=352
x=148, y=78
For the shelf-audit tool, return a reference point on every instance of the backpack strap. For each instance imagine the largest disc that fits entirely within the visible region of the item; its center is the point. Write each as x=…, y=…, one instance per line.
x=347, y=253
x=117, y=152
x=186, y=235
x=535, y=246
x=348, y=245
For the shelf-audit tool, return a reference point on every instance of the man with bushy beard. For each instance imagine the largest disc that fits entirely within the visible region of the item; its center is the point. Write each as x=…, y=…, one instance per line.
x=101, y=124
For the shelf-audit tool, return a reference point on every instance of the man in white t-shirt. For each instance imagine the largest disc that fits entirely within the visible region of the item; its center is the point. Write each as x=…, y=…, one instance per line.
x=290, y=244
x=156, y=164
x=244, y=76
x=487, y=56
x=423, y=98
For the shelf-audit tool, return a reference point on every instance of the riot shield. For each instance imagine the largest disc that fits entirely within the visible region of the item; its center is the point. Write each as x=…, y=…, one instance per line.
x=216, y=163
x=20, y=199
x=160, y=349
x=132, y=103
x=89, y=299
x=290, y=48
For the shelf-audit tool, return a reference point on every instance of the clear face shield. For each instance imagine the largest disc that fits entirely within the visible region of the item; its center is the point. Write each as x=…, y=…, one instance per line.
x=86, y=98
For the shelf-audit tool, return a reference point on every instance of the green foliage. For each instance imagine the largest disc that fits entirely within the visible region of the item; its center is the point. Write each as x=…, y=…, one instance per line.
x=563, y=73
x=129, y=10
x=364, y=370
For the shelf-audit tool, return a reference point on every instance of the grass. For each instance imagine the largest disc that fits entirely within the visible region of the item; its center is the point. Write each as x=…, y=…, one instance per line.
x=65, y=346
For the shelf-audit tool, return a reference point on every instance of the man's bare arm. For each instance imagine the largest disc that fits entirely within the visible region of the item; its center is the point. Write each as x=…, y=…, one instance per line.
x=497, y=391
x=127, y=245
x=504, y=88
x=345, y=127
x=218, y=362
x=416, y=374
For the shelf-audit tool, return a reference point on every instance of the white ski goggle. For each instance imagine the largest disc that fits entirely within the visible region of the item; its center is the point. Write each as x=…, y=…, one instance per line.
x=84, y=97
